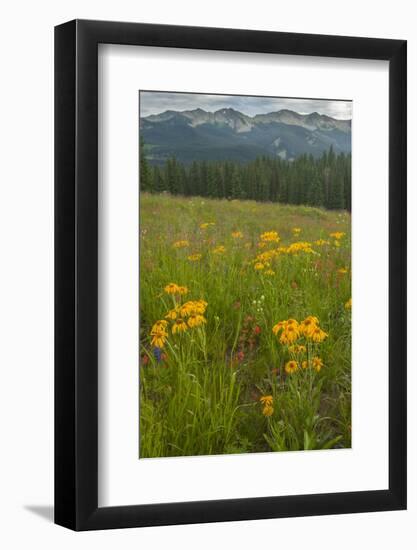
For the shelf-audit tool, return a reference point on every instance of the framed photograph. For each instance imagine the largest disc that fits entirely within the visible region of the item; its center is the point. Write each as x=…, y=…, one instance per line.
x=230, y=253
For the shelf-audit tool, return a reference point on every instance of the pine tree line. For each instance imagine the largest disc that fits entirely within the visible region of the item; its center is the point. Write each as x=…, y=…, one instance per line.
x=323, y=181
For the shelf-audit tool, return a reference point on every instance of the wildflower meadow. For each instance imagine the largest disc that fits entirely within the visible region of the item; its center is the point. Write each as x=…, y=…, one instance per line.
x=245, y=327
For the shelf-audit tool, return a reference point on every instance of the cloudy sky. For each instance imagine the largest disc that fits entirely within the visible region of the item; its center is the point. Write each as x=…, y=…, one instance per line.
x=152, y=103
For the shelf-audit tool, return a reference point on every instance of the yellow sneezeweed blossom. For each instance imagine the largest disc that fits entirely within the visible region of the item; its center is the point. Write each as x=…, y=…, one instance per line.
x=318, y=335
x=266, y=400
x=195, y=320
x=193, y=307
x=173, y=288
x=195, y=257
x=258, y=266
x=270, y=237
x=172, y=314
x=348, y=304
x=337, y=235
x=159, y=334
x=237, y=234
x=304, y=364
x=289, y=335
x=279, y=326
x=317, y=364
x=268, y=409
x=219, y=249
x=205, y=225
x=291, y=367
x=179, y=326
x=342, y=270
x=308, y=326
x=296, y=231
x=269, y=272
x=262, y=245
x=299, y=246
x=321, y=242
x=181, y=244
x=336, y=243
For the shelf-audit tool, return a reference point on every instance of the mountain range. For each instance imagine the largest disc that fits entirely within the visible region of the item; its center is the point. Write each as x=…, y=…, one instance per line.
x=228, y=134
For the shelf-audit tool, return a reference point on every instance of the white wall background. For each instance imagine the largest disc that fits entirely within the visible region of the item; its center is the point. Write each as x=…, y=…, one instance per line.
x=26, y=273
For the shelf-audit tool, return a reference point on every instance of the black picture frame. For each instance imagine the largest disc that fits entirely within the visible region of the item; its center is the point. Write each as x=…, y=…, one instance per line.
x=76, y=272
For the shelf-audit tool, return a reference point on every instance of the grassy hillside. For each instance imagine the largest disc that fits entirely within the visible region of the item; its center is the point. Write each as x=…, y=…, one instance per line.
x=219, y=374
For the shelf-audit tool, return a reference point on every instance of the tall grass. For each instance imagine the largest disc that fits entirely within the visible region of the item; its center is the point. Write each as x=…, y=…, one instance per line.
x=200, y=393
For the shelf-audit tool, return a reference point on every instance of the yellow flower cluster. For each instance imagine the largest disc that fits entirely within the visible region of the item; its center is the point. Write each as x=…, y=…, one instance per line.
x=321, y=242
x=195, y=257
x=296, y=231
x=270, y=237
x=188, y=315
x=184, y=316
x=348, y=304
x=291, y=330
x=292, y=366
x=267, y=401
x=337, y=235
x=237, y=234
x=181, y=244
x=205, y=225
x=173, y=288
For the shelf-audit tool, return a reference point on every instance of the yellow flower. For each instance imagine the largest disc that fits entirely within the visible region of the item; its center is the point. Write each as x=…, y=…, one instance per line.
x=269, y=272
x=182, y=290
x=336, y=244
x=308, y=326
x=321, y=242
x=237, y=234
x=270, y=236
x=300, y=246
x=304, y=364
x=348, y=304
x=317, y=363
x=159, y=325
x=196, y=320
x=296, y=231
x=258, y=266
x=172, y=314
x=195, y=257
x=342, y=270
x=266, y=400
x=279, y=326
x=337, y=235
x=205, y=225
x=291, y=366
x=289, y=335
x=173, y=288
x=219, y=249
x=159, y=334
x=262, y=245
x=192, y=308
x=268, y=410
x=179, y=326
x=318, y=335
x=181, y=244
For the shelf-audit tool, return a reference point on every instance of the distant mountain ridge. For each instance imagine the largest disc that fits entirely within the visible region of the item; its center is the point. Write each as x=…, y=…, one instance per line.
x=228, y=134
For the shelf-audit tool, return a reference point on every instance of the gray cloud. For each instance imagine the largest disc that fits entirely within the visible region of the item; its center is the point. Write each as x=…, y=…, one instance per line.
x=156, y=102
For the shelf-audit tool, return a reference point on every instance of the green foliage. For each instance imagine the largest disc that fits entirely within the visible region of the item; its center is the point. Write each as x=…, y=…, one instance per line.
x=202, y=396
x=323, y=181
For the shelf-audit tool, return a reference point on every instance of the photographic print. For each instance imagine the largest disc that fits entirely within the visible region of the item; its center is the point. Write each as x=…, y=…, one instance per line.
x=245, y=274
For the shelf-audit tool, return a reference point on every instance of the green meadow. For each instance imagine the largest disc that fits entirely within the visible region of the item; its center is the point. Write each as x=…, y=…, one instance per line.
x=245, y=327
